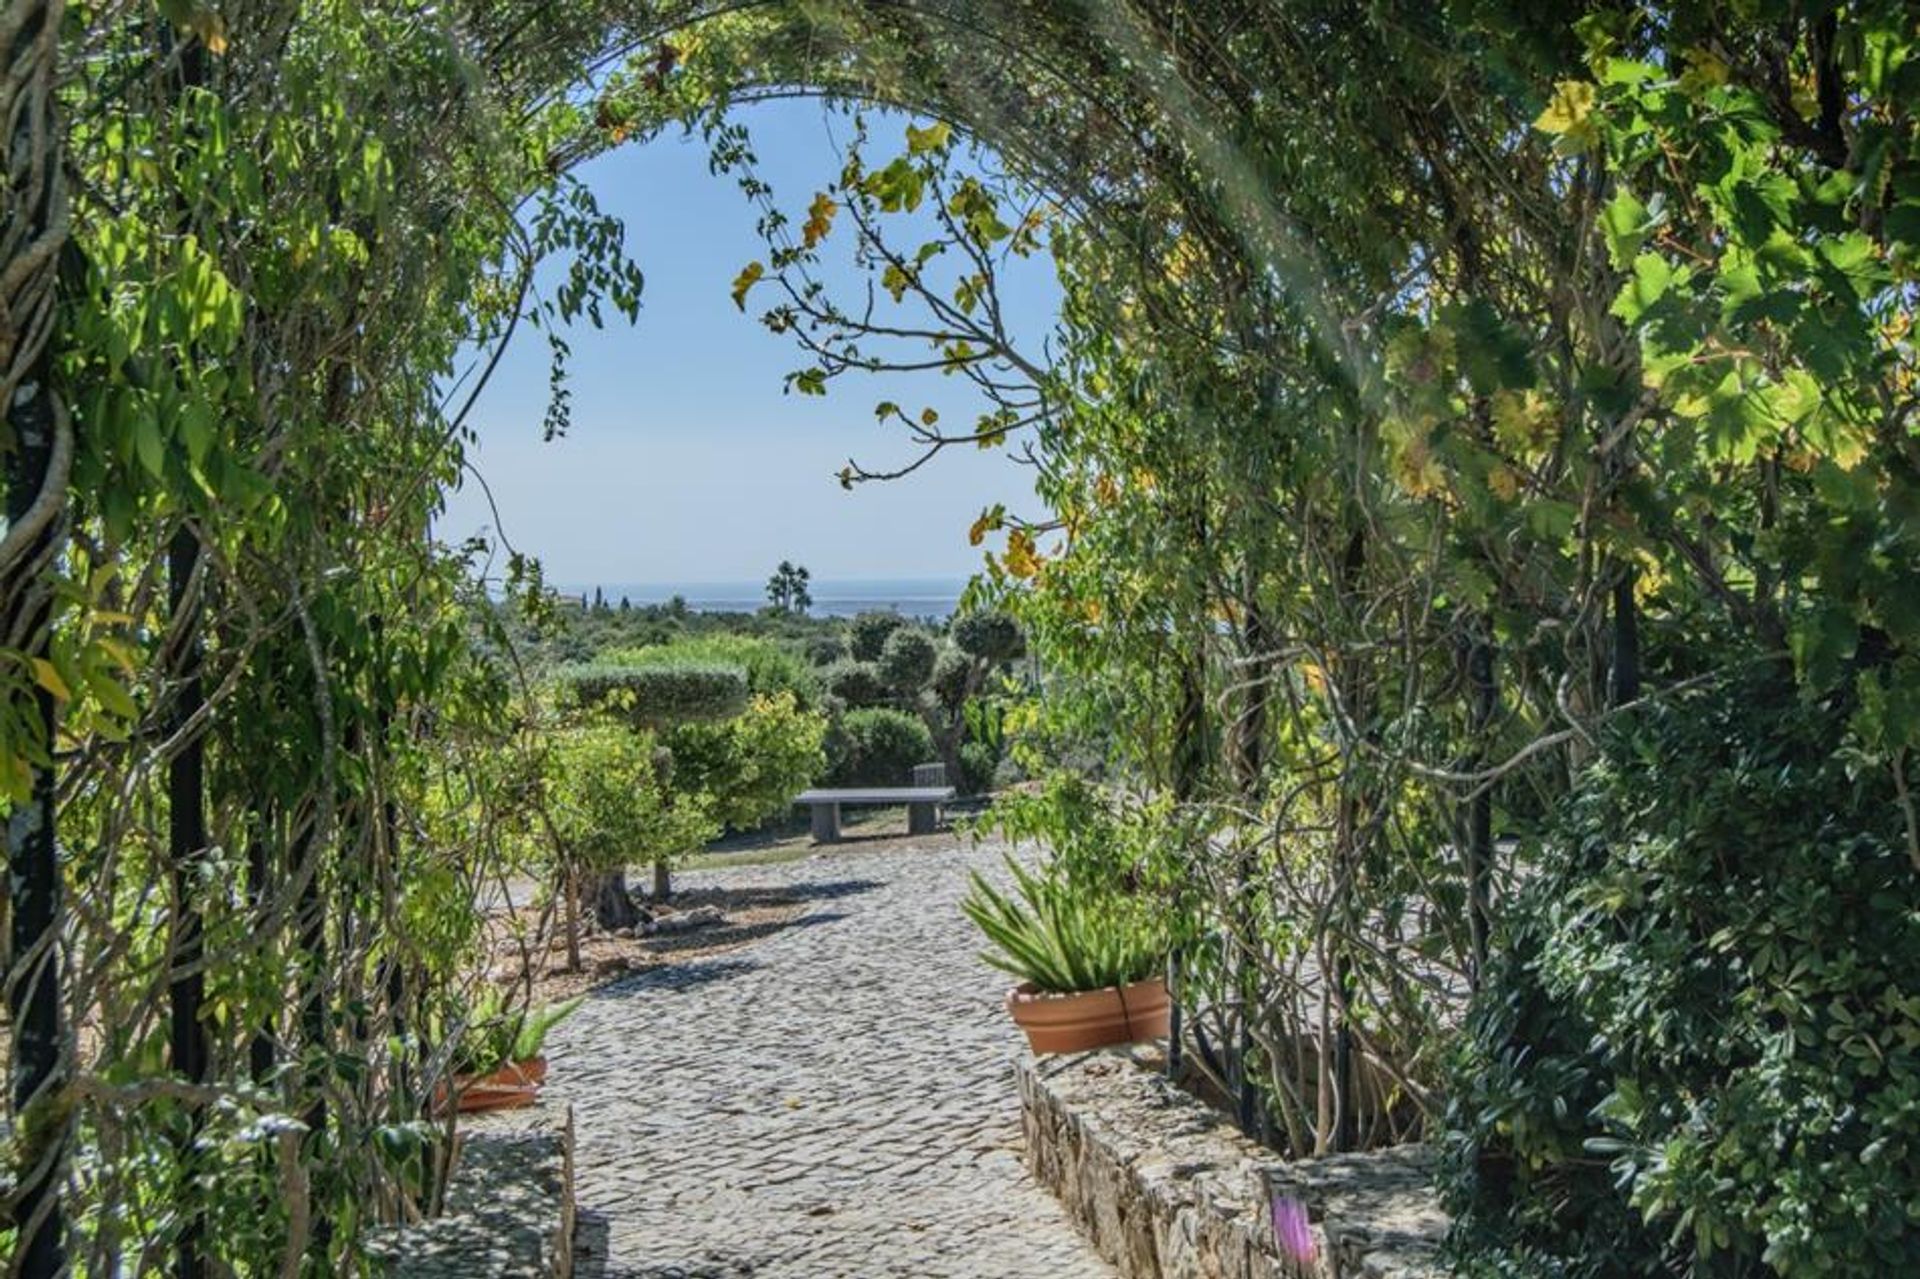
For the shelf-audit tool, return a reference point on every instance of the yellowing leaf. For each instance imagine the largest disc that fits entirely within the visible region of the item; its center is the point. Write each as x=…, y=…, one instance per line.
x=991, y=520
x=1417, y=470
x=748, y=277
x=1569, y=115
x=1107, y=490
x=819, y=220
x=895, y=281
x=932, y=138
x=47, y=677
x=1523, y=421
x=210, y=27
x=1023, y=559
x=1704, y=71
x=1503, y=483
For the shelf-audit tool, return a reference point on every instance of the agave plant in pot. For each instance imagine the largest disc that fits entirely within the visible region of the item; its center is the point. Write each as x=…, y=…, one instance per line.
x=500, y=1064
x=1089, y=960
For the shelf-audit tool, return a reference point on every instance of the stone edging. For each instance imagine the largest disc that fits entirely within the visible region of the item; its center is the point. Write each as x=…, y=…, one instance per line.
x=1166, y=1189
x=510, y=1208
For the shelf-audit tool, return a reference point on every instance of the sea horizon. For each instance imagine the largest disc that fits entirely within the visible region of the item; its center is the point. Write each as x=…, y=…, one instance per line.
x=934, y=597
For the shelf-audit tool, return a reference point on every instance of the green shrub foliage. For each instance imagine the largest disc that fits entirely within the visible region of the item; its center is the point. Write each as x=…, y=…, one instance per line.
x=615, y=799
x=991, y=637
x=750, y=767
x=771, y=667
x=877, y=747
x=657, y=695
x=907, y=660
x=869, y=633
x=1701, y=1051
x=979, y=762
x=825, y=650
x=952, y=679
x=856, y=684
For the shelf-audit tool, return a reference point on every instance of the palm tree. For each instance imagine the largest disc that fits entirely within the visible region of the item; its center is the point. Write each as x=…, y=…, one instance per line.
x=787, y=588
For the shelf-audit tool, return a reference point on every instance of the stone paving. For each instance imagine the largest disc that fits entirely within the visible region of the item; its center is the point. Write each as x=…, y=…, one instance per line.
x=837, y=1100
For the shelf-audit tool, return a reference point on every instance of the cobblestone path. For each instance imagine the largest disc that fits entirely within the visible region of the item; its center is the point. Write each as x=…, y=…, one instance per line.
x=833, y=1101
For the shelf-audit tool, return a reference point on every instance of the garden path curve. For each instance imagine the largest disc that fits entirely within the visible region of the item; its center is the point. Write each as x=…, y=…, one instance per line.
x=834, y=1101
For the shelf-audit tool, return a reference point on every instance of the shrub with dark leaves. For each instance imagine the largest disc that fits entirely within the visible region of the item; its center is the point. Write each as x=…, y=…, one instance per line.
x=1698, y=1048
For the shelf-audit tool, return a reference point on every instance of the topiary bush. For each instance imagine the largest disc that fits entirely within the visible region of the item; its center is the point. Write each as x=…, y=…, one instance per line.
x=856, y=684
x=868, y=634
x=876, y=747
x=991, y=637
x=1698, y=1049
x=656, y=696
x=906, y=661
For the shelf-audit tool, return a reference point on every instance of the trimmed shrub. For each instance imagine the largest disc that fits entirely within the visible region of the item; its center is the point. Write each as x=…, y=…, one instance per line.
x=1697, y=1050
x=825, y=650
x=771, y=667
x=906, y=662
x=856, y=684
x=869, y=634
x=876, y=747
x=950, y=675
x=991, y=637
x=655, y=696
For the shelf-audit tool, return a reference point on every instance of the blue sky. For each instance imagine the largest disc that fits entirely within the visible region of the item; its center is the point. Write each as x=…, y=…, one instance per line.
x=686, y=461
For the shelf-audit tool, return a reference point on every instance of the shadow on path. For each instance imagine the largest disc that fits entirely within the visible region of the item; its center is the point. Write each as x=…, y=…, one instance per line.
x=675, y=977
x=702, y=938
x=592, y=1248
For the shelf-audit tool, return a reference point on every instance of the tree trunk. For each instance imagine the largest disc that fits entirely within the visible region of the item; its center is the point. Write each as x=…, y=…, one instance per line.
x=1484, y=694
x=613, y=906
x=186, y=849
x=260, y=1047
x=570, y=885
x=316, y=1046
x=32, y=236
x=1623, y=684
x=662, y=880
x=949, y=746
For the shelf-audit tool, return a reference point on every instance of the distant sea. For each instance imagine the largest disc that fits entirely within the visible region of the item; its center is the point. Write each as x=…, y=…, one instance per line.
x=935, y=597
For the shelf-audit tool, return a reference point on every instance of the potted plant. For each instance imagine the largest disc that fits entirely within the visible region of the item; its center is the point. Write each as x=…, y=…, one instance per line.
x=1089, y=960
x=501, y=1064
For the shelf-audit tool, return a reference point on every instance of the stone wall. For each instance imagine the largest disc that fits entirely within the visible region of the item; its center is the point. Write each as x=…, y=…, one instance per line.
x=510, y=1208
x=1167, y=1189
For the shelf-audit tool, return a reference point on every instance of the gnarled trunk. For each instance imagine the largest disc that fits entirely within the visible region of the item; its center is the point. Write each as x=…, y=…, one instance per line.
x=613, y=906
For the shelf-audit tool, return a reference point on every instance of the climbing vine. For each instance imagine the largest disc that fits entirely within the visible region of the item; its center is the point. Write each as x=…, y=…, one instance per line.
x=1440, y=394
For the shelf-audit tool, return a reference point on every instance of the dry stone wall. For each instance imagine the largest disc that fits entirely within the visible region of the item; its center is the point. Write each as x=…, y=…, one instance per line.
x=510, y=1208
x=1166, y=1189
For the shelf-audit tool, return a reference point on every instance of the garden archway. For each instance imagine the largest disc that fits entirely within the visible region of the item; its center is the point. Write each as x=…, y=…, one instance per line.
x=1391, y=433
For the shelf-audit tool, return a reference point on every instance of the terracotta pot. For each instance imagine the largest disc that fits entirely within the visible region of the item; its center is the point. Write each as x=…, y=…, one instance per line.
x=515, y=1084
x=482, y=1097
x=514, y=1074
x=1084, y=1020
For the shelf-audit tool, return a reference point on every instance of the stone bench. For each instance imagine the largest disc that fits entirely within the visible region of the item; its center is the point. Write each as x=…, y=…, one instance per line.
x=923, y=806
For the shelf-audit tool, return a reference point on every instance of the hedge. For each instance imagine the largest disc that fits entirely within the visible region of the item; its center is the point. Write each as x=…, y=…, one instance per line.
x=657, y=696
x=876, y=747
